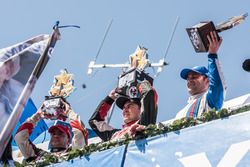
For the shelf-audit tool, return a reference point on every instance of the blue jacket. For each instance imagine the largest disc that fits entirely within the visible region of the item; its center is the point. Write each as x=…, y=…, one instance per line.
x=211, y=99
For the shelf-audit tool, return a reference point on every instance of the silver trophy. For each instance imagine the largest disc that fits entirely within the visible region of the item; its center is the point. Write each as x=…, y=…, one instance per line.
x=129, y=81
x=199, y=32
x=53, y=106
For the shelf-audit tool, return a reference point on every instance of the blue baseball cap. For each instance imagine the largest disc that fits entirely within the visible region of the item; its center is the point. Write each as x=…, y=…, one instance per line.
x=198, y=69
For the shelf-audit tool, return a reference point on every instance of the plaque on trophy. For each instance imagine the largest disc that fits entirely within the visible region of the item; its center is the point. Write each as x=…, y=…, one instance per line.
x=129, y=81
x=53, y=106
x=198, y=33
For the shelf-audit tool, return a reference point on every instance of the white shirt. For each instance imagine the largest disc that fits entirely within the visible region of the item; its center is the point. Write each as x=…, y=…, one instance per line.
x=191, y=100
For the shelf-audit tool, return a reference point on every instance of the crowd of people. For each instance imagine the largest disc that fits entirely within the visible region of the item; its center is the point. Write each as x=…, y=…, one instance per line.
x=205, y=85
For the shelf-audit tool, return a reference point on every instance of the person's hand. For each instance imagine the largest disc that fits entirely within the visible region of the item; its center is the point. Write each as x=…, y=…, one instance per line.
x=67, y=108
x=214, y=43
x=113, y=94
x=40, y=112
x=136, y=128
x=144, y=87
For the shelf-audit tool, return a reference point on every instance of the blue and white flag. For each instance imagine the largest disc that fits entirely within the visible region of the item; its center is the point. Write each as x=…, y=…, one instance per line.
x=20, y=67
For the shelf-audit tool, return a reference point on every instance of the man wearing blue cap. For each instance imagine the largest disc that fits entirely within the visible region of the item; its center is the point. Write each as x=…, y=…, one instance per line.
x=206, y=86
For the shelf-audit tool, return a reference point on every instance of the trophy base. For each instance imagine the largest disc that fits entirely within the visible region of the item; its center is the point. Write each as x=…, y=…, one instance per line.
x=53, y=108
x=198, y=35
x=128, y=82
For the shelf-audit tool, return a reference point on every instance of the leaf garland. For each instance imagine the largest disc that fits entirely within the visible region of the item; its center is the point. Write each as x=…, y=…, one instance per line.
x=150, y=130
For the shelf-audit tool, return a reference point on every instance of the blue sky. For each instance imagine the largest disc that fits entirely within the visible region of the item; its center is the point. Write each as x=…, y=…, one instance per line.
x=135, y=22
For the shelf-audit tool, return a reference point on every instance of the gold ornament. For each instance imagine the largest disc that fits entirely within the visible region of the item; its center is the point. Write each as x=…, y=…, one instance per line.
x=63, y=84
x=139, y=59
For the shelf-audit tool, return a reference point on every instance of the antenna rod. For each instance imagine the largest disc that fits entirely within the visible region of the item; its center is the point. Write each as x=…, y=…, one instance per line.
x=171, y=38
x=162, y=61
x=105, y=35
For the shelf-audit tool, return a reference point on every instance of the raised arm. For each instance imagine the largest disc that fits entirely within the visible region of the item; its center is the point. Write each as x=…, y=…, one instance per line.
x=27, y=148
x=149, y=104
x=97, y=121
x=80, y=138
x=217, y=88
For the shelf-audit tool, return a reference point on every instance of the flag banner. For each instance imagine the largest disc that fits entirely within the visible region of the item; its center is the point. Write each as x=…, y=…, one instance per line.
x=16, y=65
x=20, y=67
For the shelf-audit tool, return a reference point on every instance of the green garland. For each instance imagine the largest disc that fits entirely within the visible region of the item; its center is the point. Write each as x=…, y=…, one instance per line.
x=151, y=130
